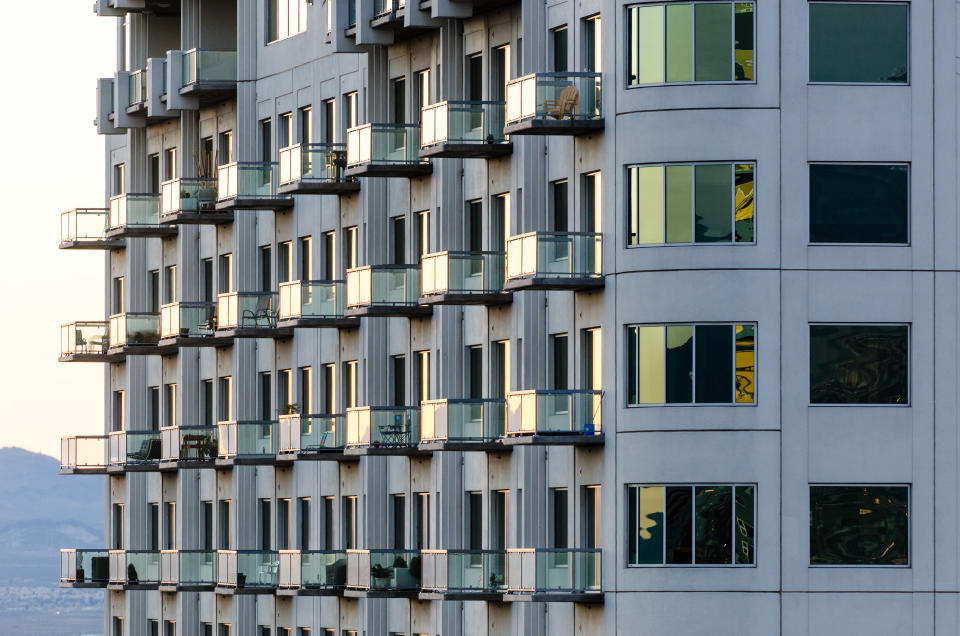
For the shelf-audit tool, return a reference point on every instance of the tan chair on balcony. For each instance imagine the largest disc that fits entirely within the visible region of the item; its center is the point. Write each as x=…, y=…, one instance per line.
x=565, y=105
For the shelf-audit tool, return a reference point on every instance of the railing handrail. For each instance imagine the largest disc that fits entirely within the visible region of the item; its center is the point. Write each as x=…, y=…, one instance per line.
x=134, y=313
x=555, y=550
x=588, y=74
x=466, y=253
x=127, y=195
x=556, y=392
x=354, y=409
x=316, y=144
x=440, y=401
x=385, y=267
x=247, y=163
x=190, y=303
x=383, y=125
x=248, y=293
x=205, y=49
x=246, y=422
x=552, y=234
x=182, y=179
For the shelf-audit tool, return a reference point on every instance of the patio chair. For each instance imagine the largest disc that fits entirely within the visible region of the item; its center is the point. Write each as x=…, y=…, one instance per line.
x=565, y=105
x=262, y=312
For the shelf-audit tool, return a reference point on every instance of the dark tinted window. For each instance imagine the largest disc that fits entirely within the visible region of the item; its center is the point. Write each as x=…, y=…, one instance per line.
x=859, y=203
x=858, y=42
x=859, y=364
x=859, y=525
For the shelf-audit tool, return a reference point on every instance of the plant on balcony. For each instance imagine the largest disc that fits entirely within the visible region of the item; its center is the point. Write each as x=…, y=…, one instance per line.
x=290, y=409
x=496, y=581
x=415, y=567
x=380, y=575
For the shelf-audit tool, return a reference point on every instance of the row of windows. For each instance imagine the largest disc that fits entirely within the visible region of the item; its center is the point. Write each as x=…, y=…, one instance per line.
x=226, y=629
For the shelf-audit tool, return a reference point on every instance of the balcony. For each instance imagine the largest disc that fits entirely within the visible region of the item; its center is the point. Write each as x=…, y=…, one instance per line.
x=190, y=324
x=137, y=92
x=134, y=570
x=86, y=341
x=137, y=215
x=316, y=437
x=385, y=150
x=554, y=418
x=462, y=425
x=250, y=185
x=388, y=13
x=554, y=104
x=463, y=575
x=84, y=568
x=383, y=573
x=122, y=7
x=315, y=169
x=249, y=315
x=558, y=575
x=312, y=572
x=314, y=303
x=383, y=430
x=468, y=130
x=209, y=74
x=247, y=571
x=385, y=290
x=84, y=455
x=555, y=260
x=86, y=229
x=134, y=333
x=134, y=451
x=188, y=570
x=191, y=202
x=250, y=442
x=188, y=447
x=463, y=278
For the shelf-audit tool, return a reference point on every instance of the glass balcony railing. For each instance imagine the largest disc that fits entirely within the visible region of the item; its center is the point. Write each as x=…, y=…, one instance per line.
x=188, y=443
x=312, y=299
x=188, y=196
x=248, y=568
x=481, y=420
x=560, y=570
x=383, y=570
x=188, y=320
x=554, y=96
x=247, y=309
x=554, y=412
x=389, y=426
x=84, y=225
x=461, y=122
x=557, y=255
x=83, y=452
x=209, y=66
x=392, y=285
x=135, y=567
x=313, y=569
x=310, y=433
x=313, y=162
x=87, y=338
x=480, y=571
x=248, y=180
x=251, y=438
x=138, y=87
x=134, y=329
x=395, y=144
x=462, y=273
x=188, y=567
x=85, y=566
x=129, y=448
x=134, y=210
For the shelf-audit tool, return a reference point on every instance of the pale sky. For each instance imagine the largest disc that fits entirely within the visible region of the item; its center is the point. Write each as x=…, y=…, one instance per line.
x=52, y=161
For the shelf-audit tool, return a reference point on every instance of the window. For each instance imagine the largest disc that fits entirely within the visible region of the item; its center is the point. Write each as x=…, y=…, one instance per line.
x=423, y=91
x=592, y=359
x=153, y=398
x=690, y=42
x=500, y=221
x=303, y=527
x=350, y=384
x=169, y=628
x=475, y=372
x=691, y=525
x=285, y=262
x=559, y=203
x=559, y=508
x=498, y=519
x=205, y=164
x=285, y=391
x=328, y=534
x=283, y=524
x=591, y=202
x=859, y=525
x=285, y=133
x=865, y=203
x=153, y=291
x=206, y=280
x=170, y=525
x=592, y=38
x=154, y=627
x=225, y=399
x=170, y=404
x=398, y=510
x=474, y=78
x=350, y=247
x=306, y=258
x=329, y=256
x=398, y=100
x=266, y=392
x=117, y=626
x=206, y=629
x=225, y=274
x=500, y=363
x=206, y=525
x=691, y=203
x=590, y=517
x=558, y=362
x=475, y=226
x=286, y=18
x=306, y=124
x=119, y=186
x=223, y=524
x=350, y=522
x=225, y=147
x=399, y=234
x=351, y=110
x=859, y=364
x=500, y=73
x=224, y=629
x=116, y=295
x=329, y=119
x=170, y=284
x=153, y=527
x=421, y=521
x=305, y=376
x=398, y=378
x=329, y=389
x=474, y=521
x=264, y=266
x=859, y=42
x=423, y=377
x=153, y=172
x=117, y=526
x=423, y=233
x=264, y=525
x=684, y=364
x=558, y=41
x=169, y=164
x=266, y=140
x=119, y=412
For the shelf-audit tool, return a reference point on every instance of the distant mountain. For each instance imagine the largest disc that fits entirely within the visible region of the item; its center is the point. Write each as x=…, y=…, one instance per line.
x=41, y=512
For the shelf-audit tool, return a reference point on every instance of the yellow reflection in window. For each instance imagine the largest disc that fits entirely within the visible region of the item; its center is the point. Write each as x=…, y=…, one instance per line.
x=743, y=203
x=649, y=511
x=745, y=363
x=650, y=350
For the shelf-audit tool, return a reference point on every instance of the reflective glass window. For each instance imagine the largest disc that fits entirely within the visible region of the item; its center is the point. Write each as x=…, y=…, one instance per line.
x=867, y=203
x=859, y=525
x=859, y=42
x=859, y=364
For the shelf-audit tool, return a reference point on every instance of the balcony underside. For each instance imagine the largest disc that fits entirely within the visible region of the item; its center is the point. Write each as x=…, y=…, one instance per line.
x=465, y=595
x=93, y=357
x=452, y=150
x=126, y=587
x=246, y=460
x=362, y=593
x=85, y=585
x=277, y=333
x=135, y=350
x=401, y=170
x=319, y=455
x=554, y=127
x=140, y=467
x=186, y=587
x=79, y=470
x=488, y=446
x=209, y=217
x=392, y=18
x=454, y=298
x=317, y=322
x=581, y=283
x=554, y=439
x=137, y=109
x=255, y=203
x=319, y=187
x=390, y=311
x=187, y=464
x=553, y=597
x=225, y=590
x=170, y=345
x=385, y=451
x=106, y=244
x=310, y=591
x=208, y=93
x=143, y=231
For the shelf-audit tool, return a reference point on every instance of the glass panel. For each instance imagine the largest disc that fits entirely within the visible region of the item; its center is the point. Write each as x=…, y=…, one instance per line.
x=679, y=42
x=743, y=41
x=714, y=364
x=647, y=204
x=859, y=525
x=649, y=364
x=197, y=567
x=646, y=35
x=197, y=442
x=743, y=203
x=257, y=568
x=679, y=204
x=679, y=512
x=714, y=42
x=745, y=360
x=649, y=526
x=859, y=203
x=858, y=42
x=714, y=515
x=859, y=364
x=323, y=569
x=714, y=189
x=745, y=514
x=679, y=364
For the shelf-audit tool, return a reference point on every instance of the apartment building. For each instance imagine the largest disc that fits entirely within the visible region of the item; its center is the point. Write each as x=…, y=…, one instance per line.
x=482, y=317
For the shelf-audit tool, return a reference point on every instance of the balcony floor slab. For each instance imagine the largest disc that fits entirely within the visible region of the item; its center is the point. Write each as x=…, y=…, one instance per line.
x=555, y=439
x=316, y=322
x=277, y=333
x=85, y=585
x=362, y=593
x=326, y=455
x=129, y=587
x=209, y=93
x=94, y=357
x=187, y=464
x=208, y=217
x=134, y=350
x=465, y=445
x=554, y=597
x=256, y=203
x=170, y=345
x=399, y=170
x=225, y=590
x=97, y=470
x=389, y=311
x=382, y=451
x=450, y=150
x=453, y=298
x=582, y=283
x=465, y=595
x=319, y=187
x=554, y=127
x=106, y=244
x=249, y=460
x=143, y=231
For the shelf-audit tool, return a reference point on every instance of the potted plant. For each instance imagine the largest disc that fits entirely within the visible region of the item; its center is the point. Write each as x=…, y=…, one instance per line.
x=402, y=577
x=380, y=576
x=290, y=409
